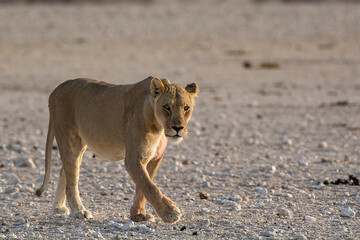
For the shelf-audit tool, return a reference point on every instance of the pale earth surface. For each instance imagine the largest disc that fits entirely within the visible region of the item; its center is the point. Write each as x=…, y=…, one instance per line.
x=249, y=129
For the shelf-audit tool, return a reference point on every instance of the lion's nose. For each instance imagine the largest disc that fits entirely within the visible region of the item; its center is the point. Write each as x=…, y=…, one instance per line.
x=177, y=129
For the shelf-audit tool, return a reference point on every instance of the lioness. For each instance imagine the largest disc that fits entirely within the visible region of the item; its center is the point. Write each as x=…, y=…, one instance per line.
x=117, y=122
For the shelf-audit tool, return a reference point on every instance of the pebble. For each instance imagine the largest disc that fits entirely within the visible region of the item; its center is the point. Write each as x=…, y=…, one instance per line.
x=342, y=201
x=231, y=204
x=288, y=195
x=11, y=190
x=287, y=142
x=347, y=212
x=259, y=203
x=309, y=218
x=204, y=195
x=300, y=237
x=234, y=198
x=144, y=229
x=128, y=226
x=323, y=145
x=25, y=225
x=12, y=236
x=245, y=199
x=11, y=176
x=303, y=161
x=115, y=224
x=26, y=189
x=24, y=162
x=19, y=195
x=271, y=233
x=16, y=148
x=204, y=222
x=284, y=212
x=261, y=190
x=319, y=186
x=273, y=169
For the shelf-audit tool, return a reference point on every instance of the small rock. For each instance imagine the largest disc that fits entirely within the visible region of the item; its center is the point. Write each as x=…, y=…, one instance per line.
x=347, y=212
x=11, y=190
x=26, y=189
x=287, y=142
x=16, y=148
x=144, y=229
x=128, y=226
x=25, y=225
x=323, y=145
x=309, y=219
x=12, y=236
x=259, y=203
x=347, y=158
x=234, y=198
x=342, y=201
x=261, y=190
x=245, y=198
x=24, y=162
x=300, y=237
x=231, y=204
x=204, y=196
x=204, y=222
x=19, y=195
x=320, y=186
x=11, y=176
x=58, y=230
x=303, y=161
x=273, y=169
x=271, y=233
x=189, y=216
x=284, y=212
x=115, y=224
x=288, y=195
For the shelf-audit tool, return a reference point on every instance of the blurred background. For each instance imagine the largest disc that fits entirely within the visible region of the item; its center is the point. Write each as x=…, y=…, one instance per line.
x=278, y=109
x=44, y=42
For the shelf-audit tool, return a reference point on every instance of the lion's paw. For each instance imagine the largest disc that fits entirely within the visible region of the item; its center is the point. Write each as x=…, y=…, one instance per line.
x=143, y=217
x=61, y=210
x=82, y=214
x=169, y=213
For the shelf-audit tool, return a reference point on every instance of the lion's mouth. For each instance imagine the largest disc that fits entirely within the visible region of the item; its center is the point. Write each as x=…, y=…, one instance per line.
x=174, y=136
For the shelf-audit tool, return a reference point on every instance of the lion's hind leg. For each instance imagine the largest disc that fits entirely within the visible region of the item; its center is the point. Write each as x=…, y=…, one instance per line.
x=72, y=148
x=59, y=205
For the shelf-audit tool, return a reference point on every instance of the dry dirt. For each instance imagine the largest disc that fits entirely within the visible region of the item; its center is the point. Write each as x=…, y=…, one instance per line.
x=278, y=113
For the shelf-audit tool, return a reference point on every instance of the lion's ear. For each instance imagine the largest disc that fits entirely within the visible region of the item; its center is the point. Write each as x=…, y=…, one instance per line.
x=156, y=87
x=192, y=88
x=165, y=81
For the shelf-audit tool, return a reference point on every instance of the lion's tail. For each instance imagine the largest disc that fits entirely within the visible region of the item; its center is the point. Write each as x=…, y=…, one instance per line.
x=49, y=142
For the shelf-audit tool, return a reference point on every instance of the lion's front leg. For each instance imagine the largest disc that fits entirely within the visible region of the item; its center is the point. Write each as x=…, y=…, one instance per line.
x=137, y=210
x=163, y=206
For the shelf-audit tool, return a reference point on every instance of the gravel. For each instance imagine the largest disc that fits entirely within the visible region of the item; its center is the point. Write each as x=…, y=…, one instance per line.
x=261, y=142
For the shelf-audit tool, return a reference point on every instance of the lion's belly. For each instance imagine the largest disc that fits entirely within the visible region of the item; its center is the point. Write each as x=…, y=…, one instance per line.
x=113, y=155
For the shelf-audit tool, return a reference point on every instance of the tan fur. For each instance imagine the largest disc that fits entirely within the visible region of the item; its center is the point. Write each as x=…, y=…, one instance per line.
x=117, y=122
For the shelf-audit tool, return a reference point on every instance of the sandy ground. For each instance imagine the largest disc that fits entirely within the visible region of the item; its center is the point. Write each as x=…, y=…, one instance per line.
x=261, y=140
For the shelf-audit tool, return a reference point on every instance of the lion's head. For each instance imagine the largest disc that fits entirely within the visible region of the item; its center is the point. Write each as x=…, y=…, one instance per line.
x=173, y=106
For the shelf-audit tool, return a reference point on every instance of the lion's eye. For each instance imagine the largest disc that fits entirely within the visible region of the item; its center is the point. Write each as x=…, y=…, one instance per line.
x=186, y=108
x=166, y=107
